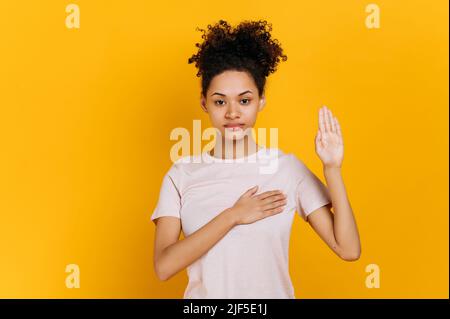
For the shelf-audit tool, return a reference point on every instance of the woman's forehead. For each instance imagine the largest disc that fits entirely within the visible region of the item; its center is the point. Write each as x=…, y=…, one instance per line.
x=232, y=83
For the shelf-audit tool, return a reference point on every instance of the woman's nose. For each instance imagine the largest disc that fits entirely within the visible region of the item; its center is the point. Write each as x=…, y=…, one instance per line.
x=233, y=110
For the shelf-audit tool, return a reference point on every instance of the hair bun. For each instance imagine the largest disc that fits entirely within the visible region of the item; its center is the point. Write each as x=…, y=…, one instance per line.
x=247, y=46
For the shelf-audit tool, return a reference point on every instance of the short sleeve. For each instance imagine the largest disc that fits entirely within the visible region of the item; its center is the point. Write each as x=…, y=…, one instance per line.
x=169, y=201
x=310, y=193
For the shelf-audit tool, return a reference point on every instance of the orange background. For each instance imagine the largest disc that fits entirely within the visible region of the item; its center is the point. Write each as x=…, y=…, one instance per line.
x=86, y=116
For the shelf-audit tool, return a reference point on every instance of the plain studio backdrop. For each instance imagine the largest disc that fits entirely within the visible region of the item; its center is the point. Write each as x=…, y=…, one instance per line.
x=86, y=115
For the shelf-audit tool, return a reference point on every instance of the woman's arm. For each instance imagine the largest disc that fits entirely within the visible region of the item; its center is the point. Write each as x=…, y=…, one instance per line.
x=345, y=229
x=338, y=230
x=172, y=255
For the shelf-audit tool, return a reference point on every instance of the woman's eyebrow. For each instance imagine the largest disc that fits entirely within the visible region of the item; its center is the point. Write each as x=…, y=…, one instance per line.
x=248, y=91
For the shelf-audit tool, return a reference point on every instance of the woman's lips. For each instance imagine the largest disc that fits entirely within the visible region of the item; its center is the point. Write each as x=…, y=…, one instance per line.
x=234, y=127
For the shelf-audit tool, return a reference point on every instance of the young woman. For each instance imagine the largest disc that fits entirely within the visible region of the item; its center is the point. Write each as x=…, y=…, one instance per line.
x=236, y=203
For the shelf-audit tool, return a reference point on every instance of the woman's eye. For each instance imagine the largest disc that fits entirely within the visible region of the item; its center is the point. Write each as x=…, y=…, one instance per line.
x=221, y=102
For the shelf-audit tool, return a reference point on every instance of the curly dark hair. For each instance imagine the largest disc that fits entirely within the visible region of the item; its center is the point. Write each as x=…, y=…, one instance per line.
x=248, y=47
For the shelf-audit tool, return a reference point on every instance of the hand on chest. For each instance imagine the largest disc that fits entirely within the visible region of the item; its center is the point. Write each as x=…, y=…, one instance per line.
x=203, y=200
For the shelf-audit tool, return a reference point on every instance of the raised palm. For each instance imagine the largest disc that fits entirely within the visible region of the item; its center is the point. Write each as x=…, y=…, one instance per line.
x=329, y=142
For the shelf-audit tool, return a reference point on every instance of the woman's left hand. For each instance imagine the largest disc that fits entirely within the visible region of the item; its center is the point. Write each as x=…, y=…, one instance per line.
x=329, y=142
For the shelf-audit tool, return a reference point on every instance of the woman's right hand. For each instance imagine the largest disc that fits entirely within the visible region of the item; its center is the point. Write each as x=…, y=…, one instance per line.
x=249, y=208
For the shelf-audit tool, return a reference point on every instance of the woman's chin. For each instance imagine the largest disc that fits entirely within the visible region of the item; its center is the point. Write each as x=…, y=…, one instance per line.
x=236, y=135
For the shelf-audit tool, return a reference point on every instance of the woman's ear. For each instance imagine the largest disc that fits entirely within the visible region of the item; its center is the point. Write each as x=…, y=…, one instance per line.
x=203, y=103
x=262, y=102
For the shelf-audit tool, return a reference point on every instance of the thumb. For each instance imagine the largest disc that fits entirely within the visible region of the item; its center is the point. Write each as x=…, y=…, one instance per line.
x=319, y=141
x=250, y=191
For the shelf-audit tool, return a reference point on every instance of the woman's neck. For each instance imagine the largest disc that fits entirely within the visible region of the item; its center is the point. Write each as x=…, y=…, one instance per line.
x=234, y=149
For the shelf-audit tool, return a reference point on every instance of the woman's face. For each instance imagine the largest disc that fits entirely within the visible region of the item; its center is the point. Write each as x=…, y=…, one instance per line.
x=232, y=99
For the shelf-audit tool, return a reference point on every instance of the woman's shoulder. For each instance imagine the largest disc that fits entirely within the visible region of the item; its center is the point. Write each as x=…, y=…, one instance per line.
x=295, y=163
x=176, y=168
x=185, y=165
x=275, y=152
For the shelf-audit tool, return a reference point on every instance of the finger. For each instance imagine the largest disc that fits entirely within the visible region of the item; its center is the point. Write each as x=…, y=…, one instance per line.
x=338, y=127
x=319, y=137
x=330, y=116
x=272, y=199
x=279, y=203
x=268, y=194
x=250, y=191
x=272, y=212
x=330, y=121
x=321, y=120
x=327, y=121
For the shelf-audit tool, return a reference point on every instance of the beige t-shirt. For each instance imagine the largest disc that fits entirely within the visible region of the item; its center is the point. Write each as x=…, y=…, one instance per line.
x=251, y=260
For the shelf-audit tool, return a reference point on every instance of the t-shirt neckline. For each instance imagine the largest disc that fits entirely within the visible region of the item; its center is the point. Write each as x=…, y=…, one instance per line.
x=239, y=159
